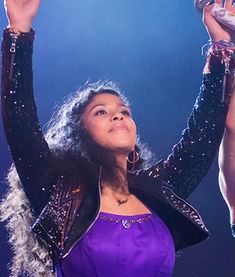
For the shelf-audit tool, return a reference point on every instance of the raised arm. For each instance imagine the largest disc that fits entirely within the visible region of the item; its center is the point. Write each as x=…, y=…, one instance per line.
x=20, y=13
x=227, y=163
x=192, y=157
x=28, y=147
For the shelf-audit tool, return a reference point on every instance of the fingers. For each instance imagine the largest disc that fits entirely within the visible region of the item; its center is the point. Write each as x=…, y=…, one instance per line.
x=228, y=4
x=218, y=2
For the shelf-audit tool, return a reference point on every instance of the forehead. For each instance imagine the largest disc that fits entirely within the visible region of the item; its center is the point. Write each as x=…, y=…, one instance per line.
x=105, y=99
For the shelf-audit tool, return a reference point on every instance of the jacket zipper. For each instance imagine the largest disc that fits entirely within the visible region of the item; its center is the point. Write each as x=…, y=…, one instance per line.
x=14, y=37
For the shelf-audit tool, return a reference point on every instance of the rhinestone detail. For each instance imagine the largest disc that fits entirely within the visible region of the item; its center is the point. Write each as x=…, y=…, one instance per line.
x=126, y=223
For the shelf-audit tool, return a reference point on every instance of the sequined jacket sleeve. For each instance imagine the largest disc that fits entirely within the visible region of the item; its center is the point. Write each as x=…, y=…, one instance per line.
x=193, y=155
x=28, y=147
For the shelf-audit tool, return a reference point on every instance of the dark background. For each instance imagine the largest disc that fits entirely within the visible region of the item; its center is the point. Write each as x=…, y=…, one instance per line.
x=152, y=49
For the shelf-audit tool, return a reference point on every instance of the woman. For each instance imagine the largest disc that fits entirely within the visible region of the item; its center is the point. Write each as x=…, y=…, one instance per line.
x=95, y=209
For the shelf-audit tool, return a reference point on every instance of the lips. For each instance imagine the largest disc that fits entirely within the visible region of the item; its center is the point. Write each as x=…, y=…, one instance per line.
x=119, y=127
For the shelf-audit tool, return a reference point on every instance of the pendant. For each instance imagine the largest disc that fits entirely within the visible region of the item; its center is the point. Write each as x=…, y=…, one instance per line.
x=120, y=202
x=126, y=224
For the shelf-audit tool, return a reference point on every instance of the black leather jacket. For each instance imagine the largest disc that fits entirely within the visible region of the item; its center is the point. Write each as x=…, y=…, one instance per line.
x=64, y=208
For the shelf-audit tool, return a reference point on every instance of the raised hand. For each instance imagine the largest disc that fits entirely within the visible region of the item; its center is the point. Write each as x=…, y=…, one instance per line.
x=20, y=13
x=216, y=30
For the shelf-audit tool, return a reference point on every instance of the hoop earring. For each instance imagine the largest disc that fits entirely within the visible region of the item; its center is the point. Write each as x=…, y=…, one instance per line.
x=135, y=157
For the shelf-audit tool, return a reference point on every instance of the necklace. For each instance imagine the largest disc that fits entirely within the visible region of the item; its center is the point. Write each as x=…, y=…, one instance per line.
x=122, y=201
x=121, y=197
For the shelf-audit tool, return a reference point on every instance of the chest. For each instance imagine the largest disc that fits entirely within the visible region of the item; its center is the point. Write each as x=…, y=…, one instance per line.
x=122, y=246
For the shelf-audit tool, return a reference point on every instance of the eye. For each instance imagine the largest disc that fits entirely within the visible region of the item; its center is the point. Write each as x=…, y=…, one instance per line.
x=126, y=112
x=100, y=112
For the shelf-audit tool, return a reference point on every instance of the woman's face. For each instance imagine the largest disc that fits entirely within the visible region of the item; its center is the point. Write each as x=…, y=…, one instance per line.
x=110, y=123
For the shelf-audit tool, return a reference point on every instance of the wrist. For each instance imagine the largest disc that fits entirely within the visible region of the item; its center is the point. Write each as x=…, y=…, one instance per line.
x=222, y=50
x=22, y=27
x=218, y=37
x=222, y=45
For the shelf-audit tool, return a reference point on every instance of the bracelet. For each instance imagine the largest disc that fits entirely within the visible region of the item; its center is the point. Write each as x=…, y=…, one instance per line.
x=223, y=49
x=233, y=229
x=214, y=46
x=14, y=30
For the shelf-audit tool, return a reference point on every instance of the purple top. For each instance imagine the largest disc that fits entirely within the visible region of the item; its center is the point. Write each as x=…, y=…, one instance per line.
x=118, y=245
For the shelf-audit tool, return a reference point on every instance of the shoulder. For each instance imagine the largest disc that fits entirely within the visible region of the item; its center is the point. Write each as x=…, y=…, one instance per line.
x=153, y=172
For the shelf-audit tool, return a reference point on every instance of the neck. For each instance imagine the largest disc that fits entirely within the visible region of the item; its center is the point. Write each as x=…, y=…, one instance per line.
x=120, y=187
x=122, y=162
x=118, y=181
x=110, y=192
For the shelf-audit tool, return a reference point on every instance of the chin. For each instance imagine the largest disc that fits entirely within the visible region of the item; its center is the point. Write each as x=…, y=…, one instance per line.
x=123, y=148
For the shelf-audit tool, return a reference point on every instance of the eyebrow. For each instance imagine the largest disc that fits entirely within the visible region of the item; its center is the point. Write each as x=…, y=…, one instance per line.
x=105, y=104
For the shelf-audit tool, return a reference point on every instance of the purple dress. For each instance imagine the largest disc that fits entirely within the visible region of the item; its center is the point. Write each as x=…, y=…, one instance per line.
x=122, y=246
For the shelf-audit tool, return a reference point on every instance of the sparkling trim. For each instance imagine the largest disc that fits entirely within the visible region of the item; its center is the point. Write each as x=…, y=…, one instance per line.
x=183, y=207
x=59, y=214
x=126, y=223
x=233, y=229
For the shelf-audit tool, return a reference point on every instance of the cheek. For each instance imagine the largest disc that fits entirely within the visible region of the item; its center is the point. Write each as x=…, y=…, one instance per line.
x=96, y=129
x=134, y=129
x=132, y=134
x=134, y=138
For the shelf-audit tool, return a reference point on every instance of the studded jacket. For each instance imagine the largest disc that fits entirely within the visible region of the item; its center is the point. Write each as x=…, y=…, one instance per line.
x=63, y=207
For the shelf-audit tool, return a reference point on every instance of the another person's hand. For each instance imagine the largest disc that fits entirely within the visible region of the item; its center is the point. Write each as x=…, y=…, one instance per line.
x=216, y=30
x=20, y=13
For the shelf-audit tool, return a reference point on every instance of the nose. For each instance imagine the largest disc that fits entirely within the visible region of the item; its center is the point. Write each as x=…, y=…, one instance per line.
x=117, y=116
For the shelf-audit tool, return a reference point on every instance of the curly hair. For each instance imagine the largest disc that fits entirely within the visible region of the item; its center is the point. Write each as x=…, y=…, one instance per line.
x=68, y=141
x=30, y=254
